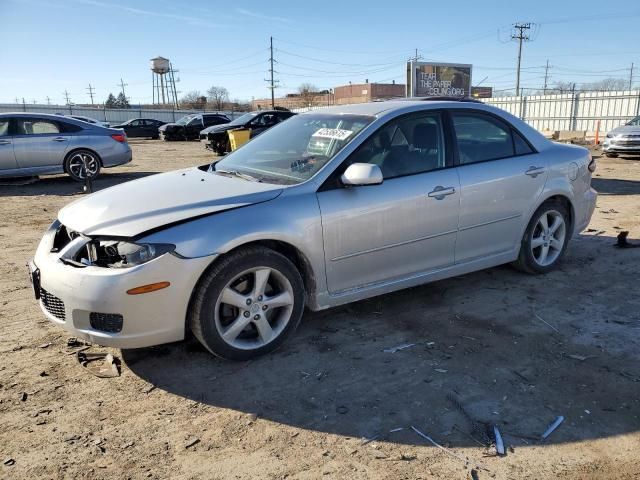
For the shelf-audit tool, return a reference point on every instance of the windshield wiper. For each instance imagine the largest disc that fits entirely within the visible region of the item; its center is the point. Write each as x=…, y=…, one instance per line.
x=236, y=173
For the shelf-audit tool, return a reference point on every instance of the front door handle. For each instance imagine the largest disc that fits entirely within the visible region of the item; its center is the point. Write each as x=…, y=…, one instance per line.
x=5, y=142
x=440, y=192
x=60, y=139
x=534, y=171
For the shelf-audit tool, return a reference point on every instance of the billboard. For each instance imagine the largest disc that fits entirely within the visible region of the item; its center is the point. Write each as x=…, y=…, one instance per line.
x=427, y=79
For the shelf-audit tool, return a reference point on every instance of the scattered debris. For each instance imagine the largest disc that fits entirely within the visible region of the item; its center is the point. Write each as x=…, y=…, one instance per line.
x=74, y=346
x=446, y=450
x=149, y=389
x=71, y=438
x=399, y=347
x=341, y=409
x=102, y=365
x=45, y=345
x=545, y=322
x=192, y=442
x=440, y=370
x=581, y=358
x=366, y=440
x=499, y=443
x=396, y=430
x=623, y=243
x=9, y=461
x=479, y=430
x=552, y=427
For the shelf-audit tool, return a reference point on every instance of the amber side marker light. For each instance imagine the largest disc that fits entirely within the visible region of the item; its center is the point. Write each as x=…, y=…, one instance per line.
x=148, y=288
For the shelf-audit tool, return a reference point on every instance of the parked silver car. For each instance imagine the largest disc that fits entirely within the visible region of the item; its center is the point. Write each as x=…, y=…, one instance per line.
x=623, y=140
x=326, y=208
x=41, y=144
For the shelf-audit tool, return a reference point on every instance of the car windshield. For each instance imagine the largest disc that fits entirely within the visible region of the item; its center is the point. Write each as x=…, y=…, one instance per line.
x=635, y=122
x=184, y=120
x=242, y=119
x=295, y=150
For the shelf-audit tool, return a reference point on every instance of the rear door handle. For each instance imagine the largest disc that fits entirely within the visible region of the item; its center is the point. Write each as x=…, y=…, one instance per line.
x=534, y=171
x=5, y=142
x=60, y=139
x=440, y=192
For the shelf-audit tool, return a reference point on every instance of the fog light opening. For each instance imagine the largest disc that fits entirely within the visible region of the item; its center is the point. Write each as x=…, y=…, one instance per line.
x=152, y=287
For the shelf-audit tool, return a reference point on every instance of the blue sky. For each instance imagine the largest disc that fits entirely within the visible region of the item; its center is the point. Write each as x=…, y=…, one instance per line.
x=50, y=46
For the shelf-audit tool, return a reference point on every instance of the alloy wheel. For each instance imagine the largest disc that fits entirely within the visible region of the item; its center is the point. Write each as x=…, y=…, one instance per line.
x=254, y=308
x=548, y=238
x=77, y=165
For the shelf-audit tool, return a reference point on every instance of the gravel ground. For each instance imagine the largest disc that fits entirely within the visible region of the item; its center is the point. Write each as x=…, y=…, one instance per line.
x=493, y=347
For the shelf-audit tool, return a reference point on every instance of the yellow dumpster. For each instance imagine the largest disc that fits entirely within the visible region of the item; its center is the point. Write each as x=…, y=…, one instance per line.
x=238, y=137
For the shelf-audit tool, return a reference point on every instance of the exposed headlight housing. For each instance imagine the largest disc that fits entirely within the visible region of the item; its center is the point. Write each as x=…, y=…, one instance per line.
x=122, y=254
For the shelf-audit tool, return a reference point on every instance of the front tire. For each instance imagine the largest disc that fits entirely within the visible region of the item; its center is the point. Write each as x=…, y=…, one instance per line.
x=545, y=240
x=247, y=304
x=75, y=164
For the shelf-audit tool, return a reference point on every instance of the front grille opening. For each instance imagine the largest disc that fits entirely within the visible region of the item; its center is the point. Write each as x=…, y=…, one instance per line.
x=106, y=322
x=52, y=304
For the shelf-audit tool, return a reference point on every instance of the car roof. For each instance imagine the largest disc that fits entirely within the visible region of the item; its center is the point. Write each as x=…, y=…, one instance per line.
x=47, y=116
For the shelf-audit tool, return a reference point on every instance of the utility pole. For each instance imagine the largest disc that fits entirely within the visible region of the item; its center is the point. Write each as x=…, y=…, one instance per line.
x=546, y=77
x=122, y=85
x=631, y=77
x=521, y=36
x=66, y=97
x=271, y=82
x=90, y=90
x=48, y=101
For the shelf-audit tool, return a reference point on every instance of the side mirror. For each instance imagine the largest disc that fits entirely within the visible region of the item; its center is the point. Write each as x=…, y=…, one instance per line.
x=362, y=174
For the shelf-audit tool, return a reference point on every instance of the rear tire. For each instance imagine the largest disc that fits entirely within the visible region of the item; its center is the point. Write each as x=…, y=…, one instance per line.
x=611, y=155
x=73, y=164
x=545, y=240
x=247, y=304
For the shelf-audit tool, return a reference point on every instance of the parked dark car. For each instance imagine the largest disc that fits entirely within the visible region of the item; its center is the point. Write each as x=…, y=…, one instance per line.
x=189, y=126
x=218, y=140
x=141, y=127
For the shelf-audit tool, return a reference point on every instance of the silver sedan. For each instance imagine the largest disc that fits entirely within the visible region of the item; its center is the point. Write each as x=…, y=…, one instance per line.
x=326, y=208
x=41, y=144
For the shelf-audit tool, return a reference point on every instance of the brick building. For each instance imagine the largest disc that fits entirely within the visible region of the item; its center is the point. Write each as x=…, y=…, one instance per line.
x=367, y=92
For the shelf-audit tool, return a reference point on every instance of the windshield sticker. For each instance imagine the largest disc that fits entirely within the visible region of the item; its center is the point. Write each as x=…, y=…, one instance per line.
x=334, y=133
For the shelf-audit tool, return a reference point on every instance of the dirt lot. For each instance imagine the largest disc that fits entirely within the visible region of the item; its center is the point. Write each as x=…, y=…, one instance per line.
x=511, y=349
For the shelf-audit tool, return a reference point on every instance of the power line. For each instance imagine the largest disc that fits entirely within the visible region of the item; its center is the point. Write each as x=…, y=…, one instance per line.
x=66, y=97
x=631, y=77
x=521, y=36
x=90, y=90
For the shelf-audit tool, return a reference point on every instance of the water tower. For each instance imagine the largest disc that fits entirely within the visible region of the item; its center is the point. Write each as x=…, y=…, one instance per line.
x=164, y=83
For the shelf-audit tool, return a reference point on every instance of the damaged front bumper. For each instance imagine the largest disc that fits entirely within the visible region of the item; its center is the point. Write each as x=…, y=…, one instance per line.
x=92, y=301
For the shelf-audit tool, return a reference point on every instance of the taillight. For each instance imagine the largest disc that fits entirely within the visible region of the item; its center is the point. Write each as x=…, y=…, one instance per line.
x=119, y=137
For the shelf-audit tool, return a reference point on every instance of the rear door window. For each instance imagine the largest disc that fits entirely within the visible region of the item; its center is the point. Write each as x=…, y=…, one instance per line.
x=36, y=126
x=481, y=137
x=4, y=127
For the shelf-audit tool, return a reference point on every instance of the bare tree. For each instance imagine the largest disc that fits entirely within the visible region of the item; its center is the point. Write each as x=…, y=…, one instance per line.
x=218, y=97
x=193, y=100
x=308, y=93
x=607, y=84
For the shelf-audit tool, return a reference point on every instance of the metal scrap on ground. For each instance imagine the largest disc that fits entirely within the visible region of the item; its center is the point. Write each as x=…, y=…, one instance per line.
x=399, y=347
x=499, y=443
x=466, y=460
x=552, y=427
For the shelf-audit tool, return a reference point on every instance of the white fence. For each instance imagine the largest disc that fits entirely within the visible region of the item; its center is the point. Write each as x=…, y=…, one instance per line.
x=111, y=115
x=577, y=111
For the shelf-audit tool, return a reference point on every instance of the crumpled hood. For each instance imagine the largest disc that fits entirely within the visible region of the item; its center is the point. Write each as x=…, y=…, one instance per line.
x=223, y=127
x=131, y=208
x=626, y=130
x=167, y=127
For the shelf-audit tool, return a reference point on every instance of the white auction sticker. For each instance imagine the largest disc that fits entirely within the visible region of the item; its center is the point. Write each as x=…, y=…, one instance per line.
x=335, y=133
